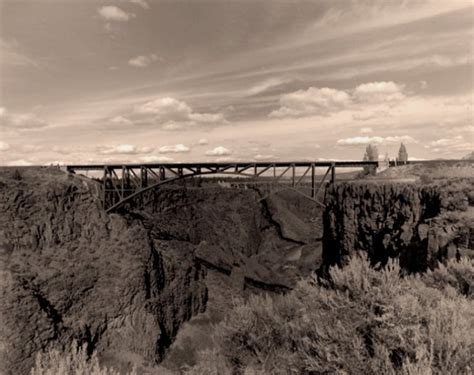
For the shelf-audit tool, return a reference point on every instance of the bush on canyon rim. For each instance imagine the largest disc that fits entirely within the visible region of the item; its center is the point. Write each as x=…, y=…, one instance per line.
x=363, y=321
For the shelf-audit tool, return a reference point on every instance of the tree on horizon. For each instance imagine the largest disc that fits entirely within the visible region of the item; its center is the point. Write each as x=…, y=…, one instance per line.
x=402, y=153
x=371, y=154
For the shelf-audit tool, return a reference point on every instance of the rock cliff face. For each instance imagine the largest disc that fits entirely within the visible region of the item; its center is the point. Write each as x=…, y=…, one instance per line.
x=420, y=224
x=69, y=271
x=125, y=283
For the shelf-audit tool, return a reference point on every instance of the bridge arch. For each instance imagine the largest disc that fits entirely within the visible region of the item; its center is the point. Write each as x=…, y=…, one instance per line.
x=154, y=186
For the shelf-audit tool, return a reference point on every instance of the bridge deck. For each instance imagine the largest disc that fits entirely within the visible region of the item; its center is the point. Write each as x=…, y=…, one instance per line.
x=278, y=164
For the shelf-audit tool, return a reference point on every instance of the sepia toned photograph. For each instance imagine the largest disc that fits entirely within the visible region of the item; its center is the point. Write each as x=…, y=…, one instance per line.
x=236, y=187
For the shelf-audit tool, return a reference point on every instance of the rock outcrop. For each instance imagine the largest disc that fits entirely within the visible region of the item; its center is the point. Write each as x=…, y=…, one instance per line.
x=419, y=224
x=70, y=271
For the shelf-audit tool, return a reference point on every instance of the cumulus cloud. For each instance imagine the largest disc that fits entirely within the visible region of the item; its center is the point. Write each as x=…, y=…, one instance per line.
x=21, y=121
x=143, y=61
x=324, y=101
x=113, y=13
x=174, y=149
x=219, y=151
x=124, y=149
x=366, y=130
x=166, y=107
x=376, y=140
x=4, y=146
x=376, y=92
x=173, y=114
x=203, y=141
x=311, y=101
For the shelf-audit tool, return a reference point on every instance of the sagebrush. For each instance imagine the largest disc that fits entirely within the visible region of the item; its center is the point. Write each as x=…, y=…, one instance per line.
x=364, y=321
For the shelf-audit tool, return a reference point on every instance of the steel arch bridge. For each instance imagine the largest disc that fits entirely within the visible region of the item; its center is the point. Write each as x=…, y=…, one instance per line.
x=122, y=183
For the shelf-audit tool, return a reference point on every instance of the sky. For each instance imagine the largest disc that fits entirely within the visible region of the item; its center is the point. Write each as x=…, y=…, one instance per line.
x=101, y=81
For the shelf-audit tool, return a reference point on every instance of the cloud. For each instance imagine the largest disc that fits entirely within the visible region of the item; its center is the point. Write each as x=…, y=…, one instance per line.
x=325, y=101
x=225, y=159
x=376, y=92
x=155, y=159
x=121, y=121
x=173, y=114
x=456, y=143
x=21, y=121
x=311, y=101
x=264, y=157
x=267, y=85
x=4, y=146
x=366, y=130
x=443, y=142
x=142, y=3
x=19, y=163
x=203, y=141
x=174, y=149
x=113, y=13
x=124, y=149
x=376, y=140
x=166, y=107
x=219, y=151
x=143, y=61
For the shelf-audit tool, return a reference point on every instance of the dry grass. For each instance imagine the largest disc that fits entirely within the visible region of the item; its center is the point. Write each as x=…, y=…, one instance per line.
x=364, y=321
x=72, y=361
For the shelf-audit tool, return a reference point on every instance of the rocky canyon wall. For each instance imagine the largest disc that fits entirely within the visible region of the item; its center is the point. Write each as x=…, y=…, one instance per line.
x=419, y=224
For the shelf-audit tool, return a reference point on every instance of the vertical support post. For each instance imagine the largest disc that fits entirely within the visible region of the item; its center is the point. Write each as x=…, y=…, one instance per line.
x=333, y=173
x=162, y=174
x=313, y=181
x=255, y=170
x=293, y=172
x=143, y=177
x=274, y=171
x=123, y=182
x=127, y=181
x=104, y=188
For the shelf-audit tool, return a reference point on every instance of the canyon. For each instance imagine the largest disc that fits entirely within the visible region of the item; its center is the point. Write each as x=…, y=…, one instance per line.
x=129, y=284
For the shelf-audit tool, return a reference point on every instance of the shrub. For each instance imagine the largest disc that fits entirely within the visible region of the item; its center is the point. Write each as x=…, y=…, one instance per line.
x=72, y=361
x=362, y=321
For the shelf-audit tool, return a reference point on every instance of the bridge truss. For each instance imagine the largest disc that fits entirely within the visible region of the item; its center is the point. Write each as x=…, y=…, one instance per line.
x=122, y=183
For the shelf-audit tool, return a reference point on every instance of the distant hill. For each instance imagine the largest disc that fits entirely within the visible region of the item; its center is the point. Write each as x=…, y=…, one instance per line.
x=469, y=156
